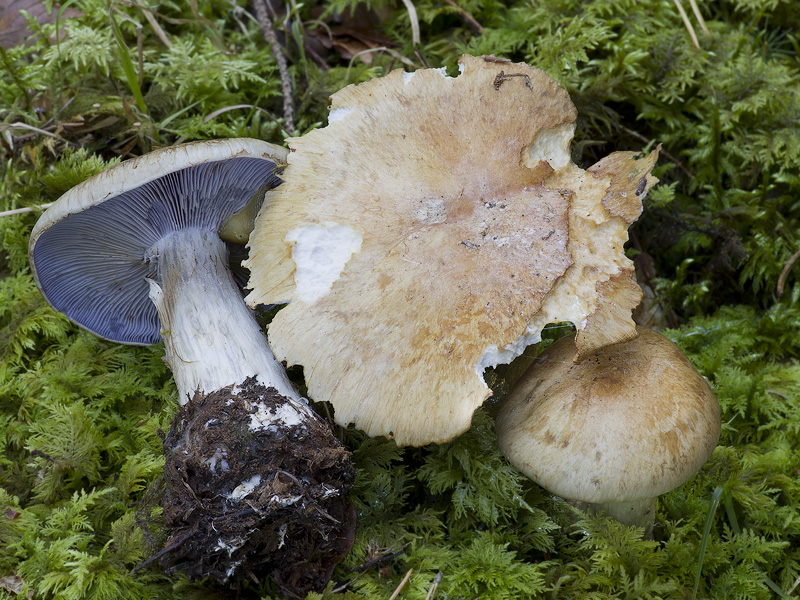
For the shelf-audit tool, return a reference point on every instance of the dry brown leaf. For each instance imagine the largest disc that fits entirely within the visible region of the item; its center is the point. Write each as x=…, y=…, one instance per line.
x=13, y=25
x=15, y=585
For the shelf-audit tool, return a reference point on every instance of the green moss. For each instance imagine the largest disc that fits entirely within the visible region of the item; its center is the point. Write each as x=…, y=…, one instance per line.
x=80, y=418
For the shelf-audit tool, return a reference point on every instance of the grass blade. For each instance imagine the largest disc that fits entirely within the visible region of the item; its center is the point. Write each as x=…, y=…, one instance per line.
x=715, y=497
x=732, y=514
x=174, y=116
x=127, y=65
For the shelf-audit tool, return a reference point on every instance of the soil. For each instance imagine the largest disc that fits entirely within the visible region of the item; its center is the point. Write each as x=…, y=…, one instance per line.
x=251, y=492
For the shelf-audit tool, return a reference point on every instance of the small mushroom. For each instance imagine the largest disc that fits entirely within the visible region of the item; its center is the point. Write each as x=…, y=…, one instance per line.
x=630, y=422
x=430, y=232
x=134, y=255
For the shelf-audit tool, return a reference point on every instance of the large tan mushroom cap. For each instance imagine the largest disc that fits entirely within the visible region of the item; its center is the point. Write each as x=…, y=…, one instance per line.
x=632, y=421
x=431, y=230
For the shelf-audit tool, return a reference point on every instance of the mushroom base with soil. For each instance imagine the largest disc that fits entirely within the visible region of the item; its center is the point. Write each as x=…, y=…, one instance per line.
x=256, y=483
x=253, y=488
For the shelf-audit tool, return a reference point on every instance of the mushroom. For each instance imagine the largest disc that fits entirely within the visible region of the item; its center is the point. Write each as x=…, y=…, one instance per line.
x=630, y=422
x=107, y=250
x=134, y=255
x=431, y=231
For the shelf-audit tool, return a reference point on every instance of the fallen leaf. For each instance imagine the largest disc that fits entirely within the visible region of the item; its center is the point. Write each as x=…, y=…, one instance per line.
x=13, y=25
x=15, y=585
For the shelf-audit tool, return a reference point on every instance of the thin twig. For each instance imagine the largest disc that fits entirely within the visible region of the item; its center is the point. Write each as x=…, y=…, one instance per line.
x=140, y=52
x=412, y=14
x=363, y=568
x=785, y=273
x=269, y=36
x=225, y=109
x=796, y=583
x=687, y=23
x=466, y=16
x=156, y=27
x=10, y=126
x=361, y=53
x=393, y=53
x=406, y=61
x=669, y=156
x=402, y=585
x=375, y=561
x=347, y=584
x=171, y=545
x=217, y=38
x=434, y=586
x=22, y=211
x=699, y=16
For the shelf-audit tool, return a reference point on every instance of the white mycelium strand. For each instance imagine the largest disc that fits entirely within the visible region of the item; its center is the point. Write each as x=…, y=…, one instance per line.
x=276, y=417
x=245, y=488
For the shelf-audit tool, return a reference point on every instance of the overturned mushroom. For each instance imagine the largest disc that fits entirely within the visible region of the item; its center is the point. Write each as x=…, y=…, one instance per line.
x=630, y=422
x=430, y=231
x=134, y=255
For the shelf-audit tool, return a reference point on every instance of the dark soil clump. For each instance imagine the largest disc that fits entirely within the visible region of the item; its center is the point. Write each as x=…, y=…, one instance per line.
x=255, y=487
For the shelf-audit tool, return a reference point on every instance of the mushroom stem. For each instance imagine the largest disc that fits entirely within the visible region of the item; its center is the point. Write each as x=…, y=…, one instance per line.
x=211, y=338
x=259, y=465
x=640, y=513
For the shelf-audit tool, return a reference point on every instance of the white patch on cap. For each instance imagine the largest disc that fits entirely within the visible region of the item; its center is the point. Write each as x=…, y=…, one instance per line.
x=443, y=72
x=407, y=76
x=339, y=113
x=552, y=146
x=245, y=488
x=494, y=356
x=320, y=253
x=430, y=211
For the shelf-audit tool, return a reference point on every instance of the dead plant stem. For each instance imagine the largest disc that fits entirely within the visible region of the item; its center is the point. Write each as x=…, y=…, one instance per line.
x=269, y=36
x=785, y=273
x=402, y=585
x=466, y=16
x=434, y=586
x=687, y=23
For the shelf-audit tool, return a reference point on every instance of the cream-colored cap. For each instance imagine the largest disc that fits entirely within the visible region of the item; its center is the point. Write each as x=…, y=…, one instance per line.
x=632, y=421
x=430, y=231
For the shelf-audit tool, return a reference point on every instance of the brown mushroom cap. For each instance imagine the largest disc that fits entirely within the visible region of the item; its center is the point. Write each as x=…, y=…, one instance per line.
x=632, y=421
x=455, y=228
